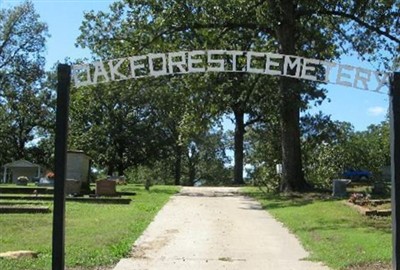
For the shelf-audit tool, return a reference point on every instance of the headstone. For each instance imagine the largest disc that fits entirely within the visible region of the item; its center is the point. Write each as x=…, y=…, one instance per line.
x=386, y=173
x=106, y=188
x=379, y=188
x=78, y=166
x=339, y=187
x=120, y=180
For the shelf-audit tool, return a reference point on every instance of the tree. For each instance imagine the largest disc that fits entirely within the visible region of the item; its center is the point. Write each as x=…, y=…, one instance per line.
x=118, y=129
x=25, y=114
x=206, y=159
x=315, y=29
x=331, y=147
x=326, y=148
x=230, y=93
x=250, y=102
x=309, y=28
x=375, y=143
x=364, y=25
x=24, y=104
x=22, y=42
x=264, y=153
x=152, y=22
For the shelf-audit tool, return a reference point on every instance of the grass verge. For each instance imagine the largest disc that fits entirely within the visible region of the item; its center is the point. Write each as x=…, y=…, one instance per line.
x=332, y=232
x=96, y=234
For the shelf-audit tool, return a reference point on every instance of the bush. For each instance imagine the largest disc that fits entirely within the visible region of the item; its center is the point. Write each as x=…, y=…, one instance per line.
x=141, y=175
x=266, y=178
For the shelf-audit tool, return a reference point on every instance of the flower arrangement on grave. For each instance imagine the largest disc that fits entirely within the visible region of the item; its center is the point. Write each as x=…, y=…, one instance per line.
x=22, y=180
x=360, y=199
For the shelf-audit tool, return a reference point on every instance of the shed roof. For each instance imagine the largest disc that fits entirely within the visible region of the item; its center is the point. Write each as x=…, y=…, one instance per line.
x=22, y=163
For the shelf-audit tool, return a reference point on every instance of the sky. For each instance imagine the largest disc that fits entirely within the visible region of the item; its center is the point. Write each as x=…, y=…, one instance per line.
x=360, y=108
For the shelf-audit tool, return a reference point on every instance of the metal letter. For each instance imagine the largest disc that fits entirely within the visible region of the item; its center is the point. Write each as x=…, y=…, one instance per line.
x=364, y=80
x=192, y=61
x=99, y=71
x=309, y=68
x=342, y=75
x=77, y=75
x=288, y=64
x=114, y=69
x=217, y=65
x=269, y=63
x=250, y=55
x=159, y=72
x=179, y=64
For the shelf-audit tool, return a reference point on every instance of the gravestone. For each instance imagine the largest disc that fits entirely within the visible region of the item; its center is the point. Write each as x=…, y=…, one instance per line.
x=106, y=188
x=340, y=187
x=379, y=188
x=78, y=166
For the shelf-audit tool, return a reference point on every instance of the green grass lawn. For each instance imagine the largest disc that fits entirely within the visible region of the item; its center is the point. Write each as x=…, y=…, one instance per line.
x=96, y=234
x=332, y=232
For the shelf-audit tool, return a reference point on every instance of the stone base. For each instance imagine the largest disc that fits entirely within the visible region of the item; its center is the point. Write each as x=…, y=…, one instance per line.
x=9, y=209
x=72, y=186
x=367, y=212
x=19, y=254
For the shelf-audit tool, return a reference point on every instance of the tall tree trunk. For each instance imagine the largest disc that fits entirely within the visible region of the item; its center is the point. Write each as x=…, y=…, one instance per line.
x=121, y=165
x=292, y=173
x=239, y=139
x=192, y=173
x=178, y=165
x=20, y=153
x=121, y=169
x=110, y=169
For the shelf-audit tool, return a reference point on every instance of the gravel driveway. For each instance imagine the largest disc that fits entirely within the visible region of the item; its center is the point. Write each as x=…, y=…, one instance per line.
x=216, y=228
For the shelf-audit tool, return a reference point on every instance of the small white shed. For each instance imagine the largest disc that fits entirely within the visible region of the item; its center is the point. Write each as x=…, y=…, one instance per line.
x=20, y=168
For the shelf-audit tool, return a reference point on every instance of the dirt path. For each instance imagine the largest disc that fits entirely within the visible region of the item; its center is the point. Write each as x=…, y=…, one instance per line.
x=215, y=228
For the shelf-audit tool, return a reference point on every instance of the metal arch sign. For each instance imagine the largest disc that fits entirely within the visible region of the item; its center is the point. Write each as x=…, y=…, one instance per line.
x=216, y=61
x=200, y=61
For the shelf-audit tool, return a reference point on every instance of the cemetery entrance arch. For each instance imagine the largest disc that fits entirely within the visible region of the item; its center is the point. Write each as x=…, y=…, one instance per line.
x=200, y=61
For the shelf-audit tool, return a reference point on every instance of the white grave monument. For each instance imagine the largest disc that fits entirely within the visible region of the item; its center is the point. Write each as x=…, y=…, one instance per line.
x=77, y=173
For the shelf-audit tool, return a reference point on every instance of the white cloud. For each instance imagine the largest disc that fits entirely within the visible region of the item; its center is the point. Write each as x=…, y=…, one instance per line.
x=377, y=111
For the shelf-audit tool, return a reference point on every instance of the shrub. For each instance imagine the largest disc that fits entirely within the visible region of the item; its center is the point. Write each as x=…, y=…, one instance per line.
x=266, y=178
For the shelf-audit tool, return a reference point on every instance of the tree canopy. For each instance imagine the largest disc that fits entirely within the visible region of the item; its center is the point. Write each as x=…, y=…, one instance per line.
x=25, y=101
x=172, y=121
x=315, y=29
